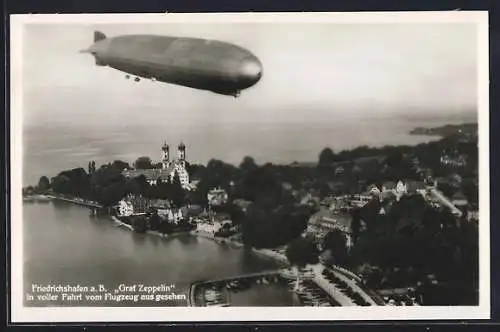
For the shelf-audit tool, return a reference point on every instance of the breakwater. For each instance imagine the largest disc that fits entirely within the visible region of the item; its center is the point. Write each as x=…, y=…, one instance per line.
x=194, y=288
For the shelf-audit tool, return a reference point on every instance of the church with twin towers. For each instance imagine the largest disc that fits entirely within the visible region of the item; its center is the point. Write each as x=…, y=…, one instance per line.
x=178, y=165
x=169, y=167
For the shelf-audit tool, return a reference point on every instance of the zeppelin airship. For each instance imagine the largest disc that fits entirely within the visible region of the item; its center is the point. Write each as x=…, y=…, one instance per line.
x=202, y=64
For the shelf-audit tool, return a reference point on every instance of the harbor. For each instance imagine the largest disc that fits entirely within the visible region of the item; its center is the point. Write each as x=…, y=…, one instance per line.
x=264, y=286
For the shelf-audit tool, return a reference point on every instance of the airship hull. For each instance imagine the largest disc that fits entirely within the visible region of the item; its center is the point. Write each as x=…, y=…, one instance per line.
x=197, y=63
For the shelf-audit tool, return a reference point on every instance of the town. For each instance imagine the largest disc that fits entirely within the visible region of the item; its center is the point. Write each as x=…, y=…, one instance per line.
x=402, y=220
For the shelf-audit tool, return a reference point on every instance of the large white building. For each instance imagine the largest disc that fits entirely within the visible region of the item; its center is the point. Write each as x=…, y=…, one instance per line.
x=125, y=208
x=137, y=205
x=168, y=168
x=132, y=205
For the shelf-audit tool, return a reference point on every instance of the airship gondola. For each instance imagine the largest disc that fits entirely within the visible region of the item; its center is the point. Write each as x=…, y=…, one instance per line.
x=202, y=64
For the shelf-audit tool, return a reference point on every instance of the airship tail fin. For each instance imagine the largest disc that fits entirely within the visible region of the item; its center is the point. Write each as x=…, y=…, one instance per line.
x=98, y=35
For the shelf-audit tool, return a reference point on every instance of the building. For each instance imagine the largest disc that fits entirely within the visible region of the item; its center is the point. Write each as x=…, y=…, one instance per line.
x=374, y=190
x=416, y=187
x=326, y=221
x=473, y=215
x=398, y=189
x=458, y=161
x=159, y=204
x=459, y=200
x=217, y=197
x=338, y=203
x=339, y=170
x=132, y=205
x=347, y=202
x=209, y=227
x=169, y=168
x=172, y=216
x=125, y=208
x=243, y=204
x=360, y=200
x=401, y=189
x=389, y=186
x=136, y=205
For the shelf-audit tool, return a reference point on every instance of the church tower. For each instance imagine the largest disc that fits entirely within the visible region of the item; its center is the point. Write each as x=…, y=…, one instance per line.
x=165, y=159
x=181, y=152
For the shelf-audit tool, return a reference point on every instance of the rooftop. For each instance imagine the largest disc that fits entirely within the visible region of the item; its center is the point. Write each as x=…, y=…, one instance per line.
x=459, y=195
x=415, y=185
x=325, y=215
x=389, y=185
x=217, y=191
x=151, y=174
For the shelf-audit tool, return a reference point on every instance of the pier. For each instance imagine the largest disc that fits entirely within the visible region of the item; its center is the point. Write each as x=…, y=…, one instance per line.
x=75, y=200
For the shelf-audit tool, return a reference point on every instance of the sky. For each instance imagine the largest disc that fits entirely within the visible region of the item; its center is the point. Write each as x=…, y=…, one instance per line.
x=312, y=72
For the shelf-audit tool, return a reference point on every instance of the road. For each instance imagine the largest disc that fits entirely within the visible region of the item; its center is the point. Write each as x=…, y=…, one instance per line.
x=445, y=201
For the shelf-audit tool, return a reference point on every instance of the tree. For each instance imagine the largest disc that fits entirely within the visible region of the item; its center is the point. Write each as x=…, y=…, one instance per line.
x=355, y=224
x=77, y=182
x=139, y=224
x=120, y=165
x=154, y=220
x=112, y=194
x=108, y=185
x=267, y=225
x=259, y=183
x=133, y=187
x=300, y=252
x=195, y=171
x=61, y=184
x=326, y=157
x=394, y=159
x=143, y=163
x=177, y=194
x=324, y=190
x=248, y=164
x=236, y=213
x=43, y=183
x=336, y=242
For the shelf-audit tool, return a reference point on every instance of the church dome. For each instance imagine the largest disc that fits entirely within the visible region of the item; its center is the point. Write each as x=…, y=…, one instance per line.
x=182, y=146
x=164, y=146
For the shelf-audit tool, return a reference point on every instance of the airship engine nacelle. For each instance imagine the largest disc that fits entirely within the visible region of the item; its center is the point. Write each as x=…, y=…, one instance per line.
x=216, y=66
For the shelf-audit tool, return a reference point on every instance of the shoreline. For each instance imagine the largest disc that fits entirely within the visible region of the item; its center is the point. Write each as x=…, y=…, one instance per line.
x=120, y=223
x=271, y=254
x=218, y=240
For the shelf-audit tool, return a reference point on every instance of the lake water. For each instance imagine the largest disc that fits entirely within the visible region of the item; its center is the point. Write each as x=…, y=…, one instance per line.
x=52, y=148
x=64, y=245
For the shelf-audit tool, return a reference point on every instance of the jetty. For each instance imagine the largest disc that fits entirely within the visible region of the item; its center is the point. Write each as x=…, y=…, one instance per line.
x=75, y=200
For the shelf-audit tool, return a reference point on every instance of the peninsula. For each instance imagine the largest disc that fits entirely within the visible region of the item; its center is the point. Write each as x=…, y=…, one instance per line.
x=469, y=129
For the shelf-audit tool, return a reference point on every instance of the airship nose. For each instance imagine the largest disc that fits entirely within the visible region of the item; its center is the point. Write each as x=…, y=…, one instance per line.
x=250, y=70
